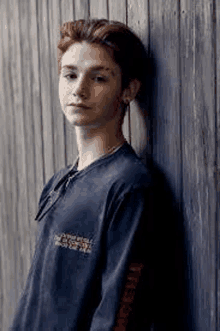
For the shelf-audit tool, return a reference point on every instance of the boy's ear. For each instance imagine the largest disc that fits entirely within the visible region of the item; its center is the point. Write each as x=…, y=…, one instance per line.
x=131, y=91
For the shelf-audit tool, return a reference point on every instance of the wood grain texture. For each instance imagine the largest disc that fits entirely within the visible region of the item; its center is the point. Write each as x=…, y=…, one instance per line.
x=36, y=104
x=17, y=235
x=68, y=14
x=137, y=12
x=18, y=91
x=46, y=87
x=28, y=116
x=216, y=44
x=2, y=168
x=57, y=114
x=118, y=13
x=7, y=200
x=81, y=9
x=165, y=47
x=98, y=9
x=198, y=153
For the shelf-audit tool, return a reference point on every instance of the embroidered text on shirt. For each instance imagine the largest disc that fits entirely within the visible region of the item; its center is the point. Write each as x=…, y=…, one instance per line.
x=73, y=242
x=128, y=296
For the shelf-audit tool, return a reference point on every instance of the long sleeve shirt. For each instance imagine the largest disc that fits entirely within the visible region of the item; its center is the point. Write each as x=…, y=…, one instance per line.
x=92, y=261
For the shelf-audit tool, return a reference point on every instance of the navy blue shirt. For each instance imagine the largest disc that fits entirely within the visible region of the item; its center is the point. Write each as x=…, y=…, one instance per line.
x=92, y=258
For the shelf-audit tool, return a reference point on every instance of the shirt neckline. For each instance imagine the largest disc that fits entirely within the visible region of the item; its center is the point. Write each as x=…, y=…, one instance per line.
x=95, y=162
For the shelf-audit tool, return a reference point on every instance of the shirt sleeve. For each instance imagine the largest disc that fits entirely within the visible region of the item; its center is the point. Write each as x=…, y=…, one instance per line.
x=127, y=267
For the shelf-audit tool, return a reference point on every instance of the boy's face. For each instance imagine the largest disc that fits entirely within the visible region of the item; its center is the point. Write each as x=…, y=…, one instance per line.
x=83, y=81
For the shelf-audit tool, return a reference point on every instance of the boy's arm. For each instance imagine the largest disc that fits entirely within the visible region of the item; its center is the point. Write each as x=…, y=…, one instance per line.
x=127, y=266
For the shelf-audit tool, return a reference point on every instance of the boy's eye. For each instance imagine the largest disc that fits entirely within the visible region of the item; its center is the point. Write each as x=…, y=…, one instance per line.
x=96, y=78
x=70, y=76
x=100, y=79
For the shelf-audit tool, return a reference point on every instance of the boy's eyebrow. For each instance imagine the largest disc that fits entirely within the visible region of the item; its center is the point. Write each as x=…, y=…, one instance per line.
x=94, y=68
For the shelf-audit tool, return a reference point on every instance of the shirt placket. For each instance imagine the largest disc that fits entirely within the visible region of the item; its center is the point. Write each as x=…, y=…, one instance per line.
x=69, y=179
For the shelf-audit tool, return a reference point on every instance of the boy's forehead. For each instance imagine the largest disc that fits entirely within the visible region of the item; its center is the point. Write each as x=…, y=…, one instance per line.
x=88, y=56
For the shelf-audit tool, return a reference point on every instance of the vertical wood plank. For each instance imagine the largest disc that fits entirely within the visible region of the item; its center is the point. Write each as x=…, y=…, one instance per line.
x=118, y=13
x=21, y=146
x=9, y=227
x=67, y=10
x=36, y=105
x=28, y=119
x=138, y=21
x=57, y=114
x=81, y=9
x=98, y=9
x=165, y=46
x=17, y=245
x=198, y=141
x=216, y=32
x=7, y=158
x=46, y=86
x=21, y=218
x=67, y=14
x=2, y=190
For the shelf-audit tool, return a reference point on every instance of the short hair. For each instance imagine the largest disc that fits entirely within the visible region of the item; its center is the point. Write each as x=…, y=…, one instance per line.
x=127, y=49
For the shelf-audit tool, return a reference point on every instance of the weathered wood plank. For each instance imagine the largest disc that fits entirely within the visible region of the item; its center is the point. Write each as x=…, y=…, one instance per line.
x=20, y=136
x=98, y=9
x=164, y=44
x=18, y=90
x=16, y=245
x=46, y=87
x=26, y=74
x=137, y=12
x=118, y=13
x=67, y=10
x=198, y=154
x=57, y=114
x=216, y=44
x=81, y=9
x=2, y=167
x=67, y=14
x=164, y=47
x=36, y=109
x=7, y=148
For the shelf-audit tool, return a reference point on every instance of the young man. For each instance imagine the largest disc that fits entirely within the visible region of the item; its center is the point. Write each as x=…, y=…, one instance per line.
x=92, y=261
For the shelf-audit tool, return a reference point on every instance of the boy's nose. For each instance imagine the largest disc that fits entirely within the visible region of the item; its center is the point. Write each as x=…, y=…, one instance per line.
x=82, y=89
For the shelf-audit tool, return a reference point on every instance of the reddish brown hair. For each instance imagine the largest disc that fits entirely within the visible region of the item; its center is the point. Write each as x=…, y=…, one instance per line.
x=125, y=47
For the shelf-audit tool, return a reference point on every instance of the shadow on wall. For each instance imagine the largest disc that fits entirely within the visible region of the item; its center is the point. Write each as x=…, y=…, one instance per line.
x=172, y=282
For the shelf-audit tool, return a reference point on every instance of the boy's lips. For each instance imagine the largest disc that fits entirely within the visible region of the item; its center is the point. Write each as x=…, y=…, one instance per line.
x=79, y=105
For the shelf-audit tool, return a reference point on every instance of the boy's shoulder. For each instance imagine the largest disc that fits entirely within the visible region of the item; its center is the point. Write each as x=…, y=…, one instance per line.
x=126, y=170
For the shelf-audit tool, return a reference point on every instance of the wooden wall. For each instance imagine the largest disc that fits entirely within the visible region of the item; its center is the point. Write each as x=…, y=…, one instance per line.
x=184, y=129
